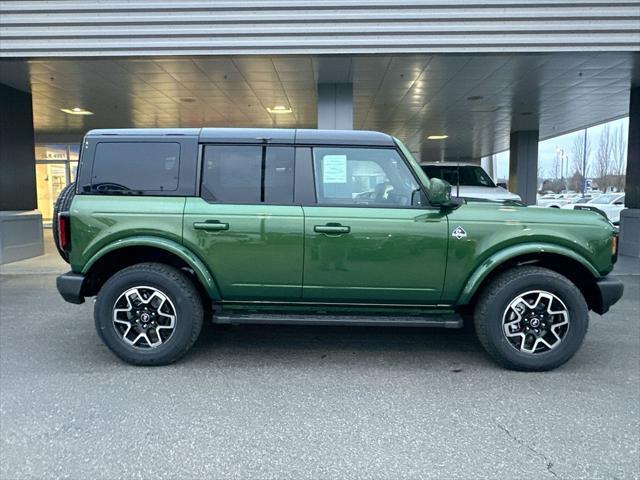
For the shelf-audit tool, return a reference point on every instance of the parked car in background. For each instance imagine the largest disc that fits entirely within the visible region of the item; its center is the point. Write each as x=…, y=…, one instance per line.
x=611, y=204
x=474, y=181
x=557, y=200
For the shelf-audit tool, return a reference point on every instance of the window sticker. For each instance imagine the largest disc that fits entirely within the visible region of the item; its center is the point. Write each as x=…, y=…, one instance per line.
x=334, y=169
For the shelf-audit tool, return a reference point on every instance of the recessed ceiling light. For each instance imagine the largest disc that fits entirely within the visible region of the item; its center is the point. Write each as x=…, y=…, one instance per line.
x=76, y=111
x=437, y=137
x=279, y=109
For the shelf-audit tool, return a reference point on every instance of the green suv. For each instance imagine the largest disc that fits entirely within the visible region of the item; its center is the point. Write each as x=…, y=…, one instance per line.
x=171, y=227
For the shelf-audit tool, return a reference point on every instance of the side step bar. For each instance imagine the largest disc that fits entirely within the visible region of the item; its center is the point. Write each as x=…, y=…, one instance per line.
x=443, y=321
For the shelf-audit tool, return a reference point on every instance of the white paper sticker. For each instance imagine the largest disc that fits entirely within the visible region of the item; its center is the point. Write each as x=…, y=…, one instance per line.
x=334, y=169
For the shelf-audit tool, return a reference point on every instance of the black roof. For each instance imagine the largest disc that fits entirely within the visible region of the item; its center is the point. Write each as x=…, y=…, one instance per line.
x=257, y=135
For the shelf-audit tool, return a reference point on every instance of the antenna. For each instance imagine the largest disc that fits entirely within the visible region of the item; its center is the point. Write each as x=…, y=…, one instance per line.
x=458, y=176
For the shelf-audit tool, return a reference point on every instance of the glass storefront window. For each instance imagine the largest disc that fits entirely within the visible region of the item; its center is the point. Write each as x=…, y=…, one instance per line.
x=51, y=152
x=73, y=170
x=56, y=166
x=74, y=152
x=51, y=178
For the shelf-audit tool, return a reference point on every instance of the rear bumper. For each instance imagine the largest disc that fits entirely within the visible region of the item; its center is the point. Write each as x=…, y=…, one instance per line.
x=611, y=290
x=70, y=287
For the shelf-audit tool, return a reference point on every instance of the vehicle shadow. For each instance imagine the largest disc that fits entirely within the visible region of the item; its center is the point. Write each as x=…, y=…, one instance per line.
x=301, y=344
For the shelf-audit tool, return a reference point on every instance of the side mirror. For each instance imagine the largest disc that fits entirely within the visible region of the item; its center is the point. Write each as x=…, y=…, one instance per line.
x=439, y=192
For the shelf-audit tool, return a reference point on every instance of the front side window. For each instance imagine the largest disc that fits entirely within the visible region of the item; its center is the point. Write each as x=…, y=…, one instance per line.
x=365, y=176
x=135, y=167
x=247, y=174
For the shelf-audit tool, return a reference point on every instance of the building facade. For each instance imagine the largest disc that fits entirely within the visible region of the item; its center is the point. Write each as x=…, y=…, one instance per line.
x=457, y=79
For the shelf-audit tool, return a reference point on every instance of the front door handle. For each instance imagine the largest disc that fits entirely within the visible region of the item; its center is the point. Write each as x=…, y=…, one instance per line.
x=211, y=226
x=332, y=228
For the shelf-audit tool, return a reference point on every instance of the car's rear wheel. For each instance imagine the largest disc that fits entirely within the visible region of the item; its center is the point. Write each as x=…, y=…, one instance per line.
x=149, y=314
x=531, y=318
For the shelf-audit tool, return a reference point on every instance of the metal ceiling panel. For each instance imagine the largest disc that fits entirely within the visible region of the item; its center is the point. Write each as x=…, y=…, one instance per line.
x=83, y=28
x=477, y=100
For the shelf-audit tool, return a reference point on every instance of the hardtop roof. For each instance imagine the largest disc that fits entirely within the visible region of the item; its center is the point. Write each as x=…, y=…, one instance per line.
x=257, y=135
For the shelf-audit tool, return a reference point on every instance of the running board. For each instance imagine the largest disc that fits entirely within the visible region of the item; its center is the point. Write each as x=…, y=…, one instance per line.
x=442, y=321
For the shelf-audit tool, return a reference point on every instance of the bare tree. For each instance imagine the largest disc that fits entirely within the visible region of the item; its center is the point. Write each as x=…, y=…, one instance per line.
x=580, y=161
x=603, y=158
x=557, y=168
x=618, y=153
x=542, y=172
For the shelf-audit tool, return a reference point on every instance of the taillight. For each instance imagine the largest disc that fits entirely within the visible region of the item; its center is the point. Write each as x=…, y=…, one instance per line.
x=614, y=248
x=64, y=231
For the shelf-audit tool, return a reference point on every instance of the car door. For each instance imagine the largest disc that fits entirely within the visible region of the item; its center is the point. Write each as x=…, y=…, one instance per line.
x=244, y=225
x=614, y=208
x=367, y=238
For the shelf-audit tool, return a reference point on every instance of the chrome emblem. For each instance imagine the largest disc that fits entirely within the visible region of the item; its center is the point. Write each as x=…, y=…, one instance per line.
x=458, y=233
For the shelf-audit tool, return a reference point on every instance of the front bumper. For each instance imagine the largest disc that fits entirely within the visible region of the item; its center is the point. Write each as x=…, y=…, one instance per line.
x=610, y=291
x=70, y=287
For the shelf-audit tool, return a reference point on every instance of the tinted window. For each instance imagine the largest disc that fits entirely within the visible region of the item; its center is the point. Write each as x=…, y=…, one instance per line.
x=135, y=167
x=278, y=175
x=470, y=176
x=248, y=174
x=370, y=176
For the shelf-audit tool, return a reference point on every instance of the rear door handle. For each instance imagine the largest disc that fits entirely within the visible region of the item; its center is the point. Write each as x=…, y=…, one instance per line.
x=335, y=229
x=211, y=226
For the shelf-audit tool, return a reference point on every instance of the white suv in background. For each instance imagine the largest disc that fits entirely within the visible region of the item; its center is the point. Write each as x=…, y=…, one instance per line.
x=609, y=203
x=474, y=181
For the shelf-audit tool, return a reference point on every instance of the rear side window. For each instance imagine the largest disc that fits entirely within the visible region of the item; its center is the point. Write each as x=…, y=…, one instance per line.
x=135, y=167
x=248, y=174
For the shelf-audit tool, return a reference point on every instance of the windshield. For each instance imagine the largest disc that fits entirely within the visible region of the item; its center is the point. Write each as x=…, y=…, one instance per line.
x=604, y=199
x=470, y=175
x=413, y=162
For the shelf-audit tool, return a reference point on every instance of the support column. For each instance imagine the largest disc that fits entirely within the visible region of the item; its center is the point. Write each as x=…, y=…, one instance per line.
x=20, y=222
x=523, y=165
x=630, y=217
x=335, y=106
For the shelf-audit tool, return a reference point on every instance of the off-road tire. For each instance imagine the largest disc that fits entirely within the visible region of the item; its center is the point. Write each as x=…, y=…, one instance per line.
x=496, y=297
x=178, y=288
x=62, y=204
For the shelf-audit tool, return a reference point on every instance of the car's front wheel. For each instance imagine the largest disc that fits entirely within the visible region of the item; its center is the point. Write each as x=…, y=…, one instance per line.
x=149, y=314
x=531, y=318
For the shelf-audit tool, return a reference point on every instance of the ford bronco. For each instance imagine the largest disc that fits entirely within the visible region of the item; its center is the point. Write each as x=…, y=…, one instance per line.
x=169, y=227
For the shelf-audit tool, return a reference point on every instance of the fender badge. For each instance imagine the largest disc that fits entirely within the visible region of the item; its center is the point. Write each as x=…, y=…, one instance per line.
x=459, y=233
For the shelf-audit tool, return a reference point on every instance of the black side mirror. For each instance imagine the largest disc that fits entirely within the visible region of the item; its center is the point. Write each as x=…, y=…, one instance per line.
x=439, y=192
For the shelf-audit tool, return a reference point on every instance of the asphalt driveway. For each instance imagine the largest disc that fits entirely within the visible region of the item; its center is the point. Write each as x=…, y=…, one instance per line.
x=307, y=402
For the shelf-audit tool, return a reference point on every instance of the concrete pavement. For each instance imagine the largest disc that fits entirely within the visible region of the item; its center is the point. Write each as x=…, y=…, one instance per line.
x=307, y=402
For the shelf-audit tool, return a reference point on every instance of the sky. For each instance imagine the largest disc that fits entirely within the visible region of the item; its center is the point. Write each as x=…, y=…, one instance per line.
x=547, y=149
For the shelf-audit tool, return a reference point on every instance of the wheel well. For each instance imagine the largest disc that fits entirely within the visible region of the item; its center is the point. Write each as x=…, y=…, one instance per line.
x=114, y=261
x=577, y=273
